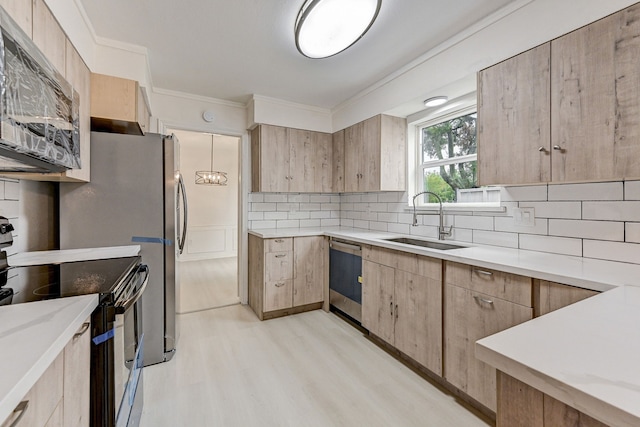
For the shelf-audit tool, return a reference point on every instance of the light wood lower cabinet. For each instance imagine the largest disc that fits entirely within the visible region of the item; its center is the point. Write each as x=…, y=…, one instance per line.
x=550, y=296
x=402, y=303
x=522, y=405
x=60, y=398
x=470, y=315
x=286, y=274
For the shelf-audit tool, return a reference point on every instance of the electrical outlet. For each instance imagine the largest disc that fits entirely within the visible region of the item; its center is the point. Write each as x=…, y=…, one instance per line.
x=524, y=217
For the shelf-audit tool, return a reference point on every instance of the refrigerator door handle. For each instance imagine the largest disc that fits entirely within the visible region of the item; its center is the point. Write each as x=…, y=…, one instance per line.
x=183, y=235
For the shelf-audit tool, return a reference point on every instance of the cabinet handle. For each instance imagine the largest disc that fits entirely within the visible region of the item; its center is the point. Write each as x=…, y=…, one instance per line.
x=281, y=255
x=484, y=272
x=542, y=149
x=82, y=330
x=557, y=148
x=279, y=240
x=396, y=311
x=482, y=300
x=279, y=285
x=391, y=308
x=22, y=408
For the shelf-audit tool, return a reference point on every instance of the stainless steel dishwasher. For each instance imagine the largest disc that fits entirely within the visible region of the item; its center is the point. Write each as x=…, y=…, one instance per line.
x=345, y=278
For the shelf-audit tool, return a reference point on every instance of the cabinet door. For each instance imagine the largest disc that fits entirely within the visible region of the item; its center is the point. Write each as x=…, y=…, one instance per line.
x=338, y=162
x=301, y=162
x=550, y=296
x=322, y=159
x=48, y=35
x=77, y=362
x=393, y=154
x=470, y=316
x=418, y=328
x=278, y=295
x=270, y=159
x=21, y=12
x=377, y=300
x=278, y=266
x=370, y=179
x=353, y=157
x=514, y=120
x=595, y=100
x=308, y=270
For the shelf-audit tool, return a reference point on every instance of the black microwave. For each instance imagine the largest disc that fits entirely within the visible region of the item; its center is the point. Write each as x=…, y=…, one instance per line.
x=39, y=109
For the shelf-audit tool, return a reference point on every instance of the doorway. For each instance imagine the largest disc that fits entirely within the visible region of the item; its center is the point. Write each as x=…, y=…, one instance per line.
x=208, y=266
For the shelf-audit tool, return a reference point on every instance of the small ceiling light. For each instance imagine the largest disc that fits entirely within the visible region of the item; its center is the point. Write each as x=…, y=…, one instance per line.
x=327, y=27
x=211, y=177
x=435, y=101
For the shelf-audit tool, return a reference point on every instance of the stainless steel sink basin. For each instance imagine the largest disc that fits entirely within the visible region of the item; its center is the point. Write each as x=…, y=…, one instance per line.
x=425, y=243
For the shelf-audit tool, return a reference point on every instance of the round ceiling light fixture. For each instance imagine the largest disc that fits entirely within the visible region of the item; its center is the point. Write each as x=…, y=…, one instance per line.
x=435, y=101
x=327, y=27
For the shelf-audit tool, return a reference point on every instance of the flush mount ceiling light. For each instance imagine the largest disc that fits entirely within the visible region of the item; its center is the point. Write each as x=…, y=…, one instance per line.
x=327, y=27
x=211, y=177
x=435, y=101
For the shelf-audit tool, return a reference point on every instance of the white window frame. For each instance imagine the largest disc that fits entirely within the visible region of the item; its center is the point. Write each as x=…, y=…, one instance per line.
x=416, y=172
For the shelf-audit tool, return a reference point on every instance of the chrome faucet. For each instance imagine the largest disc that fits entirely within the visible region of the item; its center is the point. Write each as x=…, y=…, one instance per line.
x=442, y=230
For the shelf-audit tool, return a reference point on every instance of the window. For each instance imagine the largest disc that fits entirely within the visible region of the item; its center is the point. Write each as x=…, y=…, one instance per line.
x=447, y=161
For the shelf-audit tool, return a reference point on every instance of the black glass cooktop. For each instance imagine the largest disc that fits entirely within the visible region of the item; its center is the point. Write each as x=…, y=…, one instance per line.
x=42, y=282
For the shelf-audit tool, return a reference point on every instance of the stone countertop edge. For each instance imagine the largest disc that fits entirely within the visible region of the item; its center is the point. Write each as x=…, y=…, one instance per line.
x=589, y=363
x=70, y=255
x=32, y=335
x=587, y=273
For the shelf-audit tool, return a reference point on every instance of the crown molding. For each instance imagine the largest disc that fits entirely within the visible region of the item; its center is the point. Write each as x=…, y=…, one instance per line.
x=200, y=98
x=290, y=104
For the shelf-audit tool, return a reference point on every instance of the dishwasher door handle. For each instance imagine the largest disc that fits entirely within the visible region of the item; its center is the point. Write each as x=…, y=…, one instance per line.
x=340, y=245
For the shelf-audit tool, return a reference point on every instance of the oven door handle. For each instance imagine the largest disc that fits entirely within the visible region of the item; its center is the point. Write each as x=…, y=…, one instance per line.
x=123, y=306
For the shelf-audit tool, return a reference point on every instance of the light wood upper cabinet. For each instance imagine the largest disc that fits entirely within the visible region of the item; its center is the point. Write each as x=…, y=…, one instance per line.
x=48, y=36
x=291, y=160
x=470, y=315
x=338, y=162
x=594, y=97
x=22, y=12
x=118, y=105
x=514, y=120
x=375, y=155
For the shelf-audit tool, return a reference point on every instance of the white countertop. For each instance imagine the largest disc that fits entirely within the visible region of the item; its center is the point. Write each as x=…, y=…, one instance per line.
x=71, y=255
x=577, y=271
x=31, y=337
x=586, y=355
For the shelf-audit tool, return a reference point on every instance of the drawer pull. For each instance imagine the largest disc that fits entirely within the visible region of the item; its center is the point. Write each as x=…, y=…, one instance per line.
x=82, y=330
x=22, y=408
x=279, y=285
x=391, y=308
x=396, y=311
x=281, y=255
x=483, y=272
x=480, y=300
x=279, y=240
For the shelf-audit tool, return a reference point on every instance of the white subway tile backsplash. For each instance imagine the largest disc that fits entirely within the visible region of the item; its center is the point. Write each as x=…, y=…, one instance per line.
x=632, y=232
x=566, y=210
x=369, y=197
x=298, y=198
x=255, y=216
x=612, y=251
x=461, y=234
x=288, y=223
x=526, y=193
x=631, y=190
x=399, y=228
x=378, y=226
x=333, y=222
x=262, y=224
x=369, y=216
x=275, y=215
x=378, y=207
x=601, y=230
x=589, y=191
x=392, y=197
x=405, y=218
x=507, y=224
x=256, y=197
x=387, y=217
x=319, y=214
x=474, y=222
x=351, y=198
x=320, y=198
x=361, y=224
x=309, y=223
x=310, y=206
x=330, y=206
x=335, y=198
x=275, y=198
x=346, y=222
x=288, y=207
x=556, y=245
x=263, y=207
x=300, y=214
x=425, y=231
x=508, y=240
x=611, y=211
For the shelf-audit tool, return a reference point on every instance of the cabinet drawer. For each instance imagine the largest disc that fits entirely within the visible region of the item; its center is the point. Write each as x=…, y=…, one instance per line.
x=506, y=286
x=43, y=398
x=278, y=295
x=278, y=266
x=279, y=245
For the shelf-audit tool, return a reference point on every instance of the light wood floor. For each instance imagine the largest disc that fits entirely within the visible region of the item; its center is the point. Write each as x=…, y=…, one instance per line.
x=207, y=284
x=310, y=369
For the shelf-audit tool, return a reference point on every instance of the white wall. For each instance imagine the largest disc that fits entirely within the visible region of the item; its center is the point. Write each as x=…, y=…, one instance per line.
x=213, y=210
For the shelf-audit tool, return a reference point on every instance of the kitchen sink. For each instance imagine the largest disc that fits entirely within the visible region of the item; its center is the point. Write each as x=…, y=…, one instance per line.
x=425, y=243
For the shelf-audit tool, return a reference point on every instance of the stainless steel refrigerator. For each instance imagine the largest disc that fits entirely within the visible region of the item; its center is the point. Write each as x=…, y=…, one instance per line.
x=135, y=196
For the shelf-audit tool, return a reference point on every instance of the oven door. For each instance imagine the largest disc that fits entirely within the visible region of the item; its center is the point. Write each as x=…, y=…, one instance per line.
x=128, y=348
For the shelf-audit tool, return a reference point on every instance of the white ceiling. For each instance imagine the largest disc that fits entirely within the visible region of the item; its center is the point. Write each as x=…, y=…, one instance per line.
x=235, y=48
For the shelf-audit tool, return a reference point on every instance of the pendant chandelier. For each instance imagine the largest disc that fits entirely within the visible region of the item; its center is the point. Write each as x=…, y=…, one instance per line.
x=211, y=177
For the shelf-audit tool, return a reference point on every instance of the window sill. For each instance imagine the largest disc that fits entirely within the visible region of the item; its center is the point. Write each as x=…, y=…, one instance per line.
x=460, y=207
